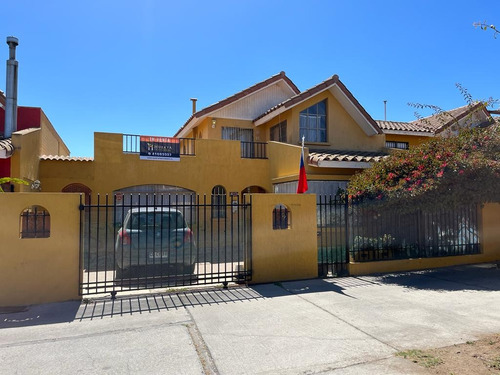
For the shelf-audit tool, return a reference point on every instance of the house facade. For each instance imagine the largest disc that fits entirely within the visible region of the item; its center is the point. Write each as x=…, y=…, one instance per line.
x=249, y=142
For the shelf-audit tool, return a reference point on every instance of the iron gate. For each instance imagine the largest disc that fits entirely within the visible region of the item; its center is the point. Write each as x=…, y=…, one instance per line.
x=149, y=241
x=333, y=234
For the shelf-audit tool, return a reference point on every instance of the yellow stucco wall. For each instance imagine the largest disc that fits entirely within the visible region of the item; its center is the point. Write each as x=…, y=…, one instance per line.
x=39, y=270
x=51, y=143
x=490, y=250
x=217, y=162
x=288, y=254
x=343, y=133
x=25, y=160
x=412, y=140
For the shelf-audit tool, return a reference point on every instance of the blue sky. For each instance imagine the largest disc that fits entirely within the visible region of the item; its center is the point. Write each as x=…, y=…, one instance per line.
x=132, y=66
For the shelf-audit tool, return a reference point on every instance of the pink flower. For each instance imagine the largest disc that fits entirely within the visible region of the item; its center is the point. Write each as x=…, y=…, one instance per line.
x=440, y=174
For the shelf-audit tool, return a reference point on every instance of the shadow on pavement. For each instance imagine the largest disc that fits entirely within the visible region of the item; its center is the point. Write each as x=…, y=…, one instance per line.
x=483, y=277
x=49, y=313
x=128, y=305
x=480, y=277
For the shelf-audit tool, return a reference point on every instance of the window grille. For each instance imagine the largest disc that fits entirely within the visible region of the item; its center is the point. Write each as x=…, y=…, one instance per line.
x=397, y=145
x=35, y=223
x=281, y=217
x=218, y=202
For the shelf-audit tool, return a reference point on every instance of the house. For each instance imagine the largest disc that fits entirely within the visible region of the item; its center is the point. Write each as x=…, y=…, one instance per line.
x=340, y=135
x=34, y=136
x=249, y=142
x=402, y=135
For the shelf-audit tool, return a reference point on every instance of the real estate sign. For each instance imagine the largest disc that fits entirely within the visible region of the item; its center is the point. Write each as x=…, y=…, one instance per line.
x=159, y=148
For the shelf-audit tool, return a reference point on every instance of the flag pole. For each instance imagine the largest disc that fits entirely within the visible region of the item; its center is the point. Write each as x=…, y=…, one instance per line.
x=302, y=183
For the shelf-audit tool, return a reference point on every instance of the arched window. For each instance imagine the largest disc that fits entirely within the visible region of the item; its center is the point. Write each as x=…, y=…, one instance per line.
x=35, y=222
x=78, y=188
x=281, y=217
x=218, y=202
x=253, y=189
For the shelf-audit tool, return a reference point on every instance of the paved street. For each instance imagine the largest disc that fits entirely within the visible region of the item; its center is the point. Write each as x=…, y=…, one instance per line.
x=350, y=325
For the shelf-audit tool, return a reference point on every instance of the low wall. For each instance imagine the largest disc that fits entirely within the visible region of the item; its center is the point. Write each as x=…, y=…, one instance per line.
x=490, y=250
x=39, y=270
x=284, y=254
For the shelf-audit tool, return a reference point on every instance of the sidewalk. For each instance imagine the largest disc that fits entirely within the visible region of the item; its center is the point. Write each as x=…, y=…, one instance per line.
x=350, y=325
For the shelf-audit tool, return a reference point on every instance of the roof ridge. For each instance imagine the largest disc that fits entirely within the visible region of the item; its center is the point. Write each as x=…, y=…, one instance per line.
x=240, y=94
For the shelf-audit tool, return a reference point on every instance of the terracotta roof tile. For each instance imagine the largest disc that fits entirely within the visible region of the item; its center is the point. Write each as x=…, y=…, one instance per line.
x=343, y=155
x=440, y=121
x=65, y=158
x=7, y=146
x=402, y=126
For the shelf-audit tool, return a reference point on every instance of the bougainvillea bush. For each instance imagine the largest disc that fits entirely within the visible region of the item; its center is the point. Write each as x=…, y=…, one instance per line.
x=440, y=173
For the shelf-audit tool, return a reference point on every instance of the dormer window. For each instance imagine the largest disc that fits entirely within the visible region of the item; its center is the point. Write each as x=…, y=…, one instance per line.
x=313, y=123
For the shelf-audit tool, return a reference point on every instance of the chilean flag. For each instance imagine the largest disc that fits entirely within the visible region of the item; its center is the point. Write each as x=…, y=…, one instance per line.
x=302, y=186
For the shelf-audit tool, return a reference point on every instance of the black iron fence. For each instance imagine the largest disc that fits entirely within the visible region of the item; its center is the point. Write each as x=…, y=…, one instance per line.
x=380, y=233
x=356, y=231
x=162, y=241
x=132, y=145
x=253, y=150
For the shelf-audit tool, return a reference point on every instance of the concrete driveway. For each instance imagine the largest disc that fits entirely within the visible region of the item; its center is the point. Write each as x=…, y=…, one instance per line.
x=351, y=325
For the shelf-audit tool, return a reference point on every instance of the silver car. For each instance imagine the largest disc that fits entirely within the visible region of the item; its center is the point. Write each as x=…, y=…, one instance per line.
x=154, y=240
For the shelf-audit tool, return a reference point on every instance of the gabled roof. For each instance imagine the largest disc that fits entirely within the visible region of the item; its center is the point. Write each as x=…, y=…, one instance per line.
x=341, y=93
x=434, y=124
x=200, y=115
x=440, y=121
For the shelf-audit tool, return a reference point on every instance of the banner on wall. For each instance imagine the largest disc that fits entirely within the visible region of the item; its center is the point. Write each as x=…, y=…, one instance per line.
x=159, y=148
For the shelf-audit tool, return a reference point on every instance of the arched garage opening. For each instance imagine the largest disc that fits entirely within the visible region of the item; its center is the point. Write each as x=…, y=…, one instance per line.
x=153, y=195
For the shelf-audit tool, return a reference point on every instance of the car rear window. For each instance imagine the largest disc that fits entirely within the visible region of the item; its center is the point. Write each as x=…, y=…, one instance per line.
x=157, y=220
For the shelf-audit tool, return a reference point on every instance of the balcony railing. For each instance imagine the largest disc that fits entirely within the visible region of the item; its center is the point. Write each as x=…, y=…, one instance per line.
x=254, y=150
x=132, y=145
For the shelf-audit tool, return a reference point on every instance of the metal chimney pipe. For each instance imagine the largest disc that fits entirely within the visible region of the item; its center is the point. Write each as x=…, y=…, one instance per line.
x=385, y=110
x=194, y=104
x=11, y=89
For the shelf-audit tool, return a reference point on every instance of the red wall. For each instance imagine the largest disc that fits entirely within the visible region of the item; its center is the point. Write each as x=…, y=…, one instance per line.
x=5, y=167
x=27, y=117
